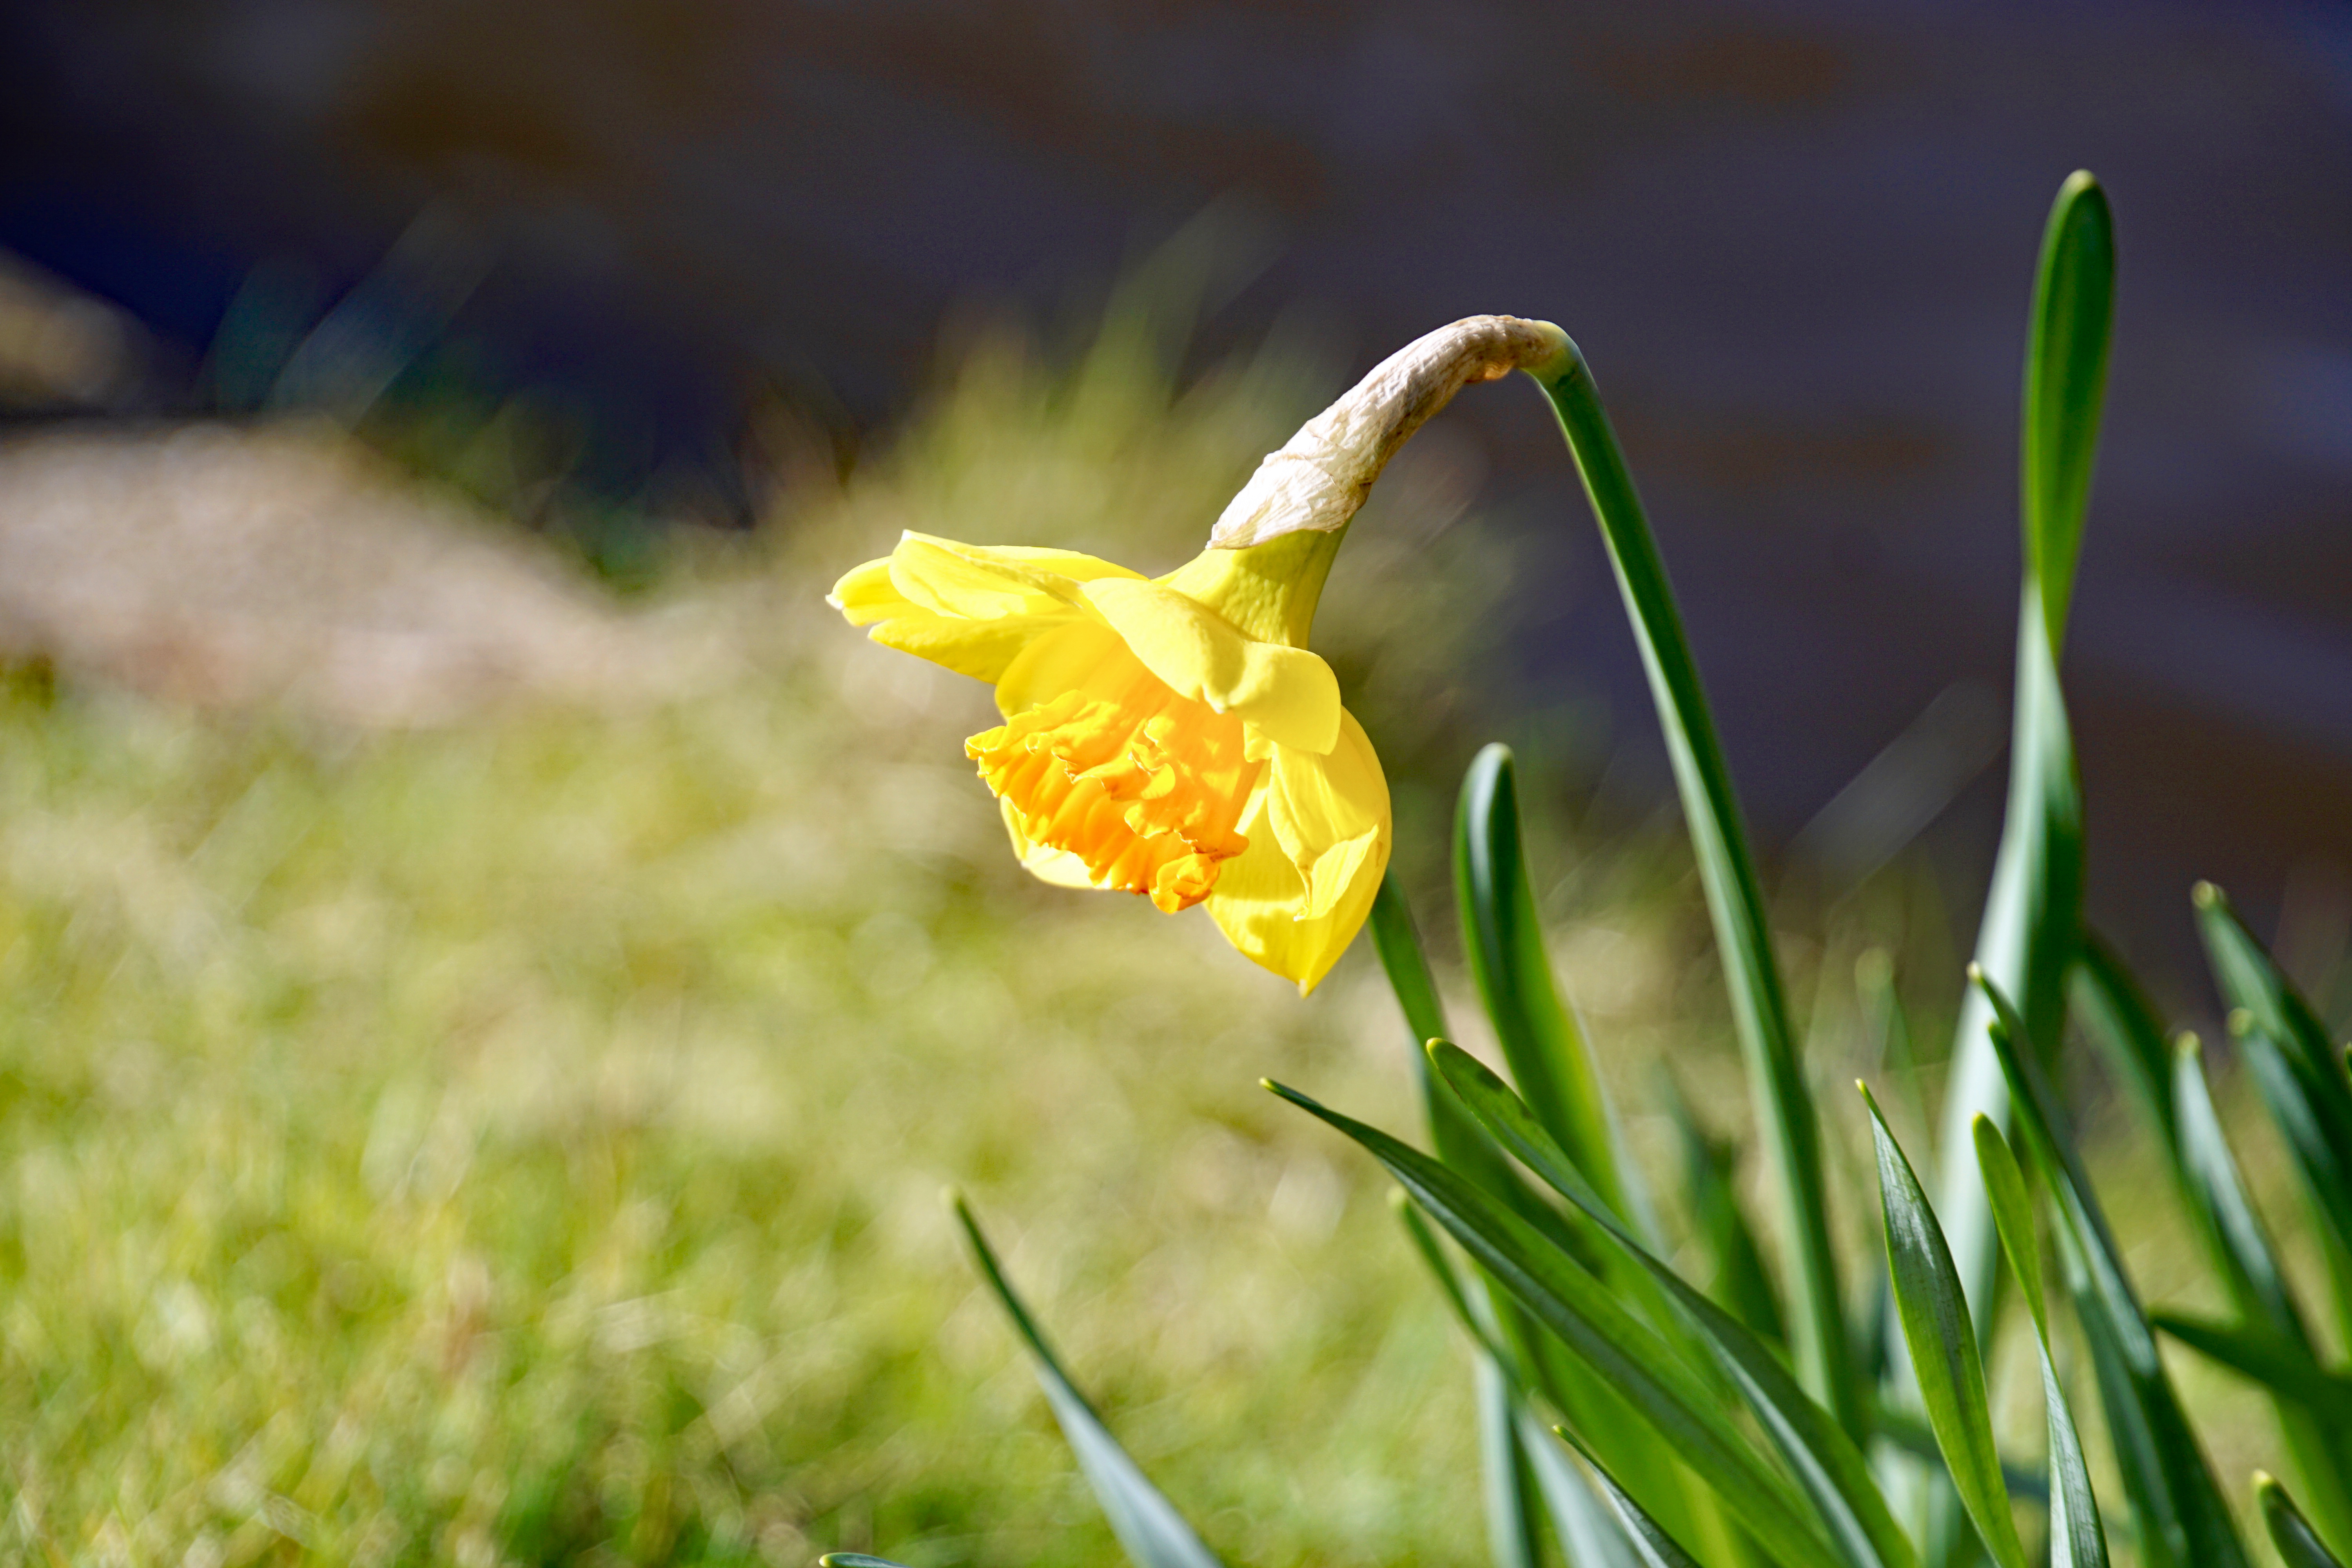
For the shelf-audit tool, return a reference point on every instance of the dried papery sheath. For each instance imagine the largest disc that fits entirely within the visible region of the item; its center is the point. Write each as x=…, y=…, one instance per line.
x=1319, y=478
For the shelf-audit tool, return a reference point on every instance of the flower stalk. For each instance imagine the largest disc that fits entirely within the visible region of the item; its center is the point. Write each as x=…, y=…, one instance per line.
x=1784, y=1106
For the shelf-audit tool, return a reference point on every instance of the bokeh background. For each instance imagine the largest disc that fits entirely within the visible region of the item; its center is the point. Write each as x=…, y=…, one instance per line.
x=494, y=971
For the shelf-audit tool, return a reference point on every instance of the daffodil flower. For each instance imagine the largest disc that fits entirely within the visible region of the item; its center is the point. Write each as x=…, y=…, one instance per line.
x=1173, y=737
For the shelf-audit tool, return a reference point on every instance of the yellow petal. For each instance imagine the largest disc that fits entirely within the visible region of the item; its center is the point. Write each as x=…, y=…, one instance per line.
x=1043, y=861
x=1037, y=558
x=1061, y=658
x=865, y=594
x=1297, y=922
x=981, y=649
x=1331, y=816
x=1287, y=694
x=970, y=608
x=952, y=579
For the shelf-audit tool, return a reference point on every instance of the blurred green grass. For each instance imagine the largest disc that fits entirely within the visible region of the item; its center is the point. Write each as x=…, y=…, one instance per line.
x=522, y=1143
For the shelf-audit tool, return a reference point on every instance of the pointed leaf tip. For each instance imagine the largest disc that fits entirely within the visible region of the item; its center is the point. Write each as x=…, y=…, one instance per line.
x=2298, y=1544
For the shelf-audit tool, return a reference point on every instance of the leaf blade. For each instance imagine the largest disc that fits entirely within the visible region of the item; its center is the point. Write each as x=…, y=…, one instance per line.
x=1942, y=1340
x=1829, y=1469
x=2077, y=1537
x=2066, y=385
x=1503, y=939
x=2182, y=1517
x=2301, y=1079
x=1146, y=1524
x=1628, y=1354
x=1658, y=1549
x=2298, y=1544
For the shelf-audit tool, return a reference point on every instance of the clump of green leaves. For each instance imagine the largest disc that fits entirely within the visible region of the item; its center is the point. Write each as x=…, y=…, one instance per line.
x=1678, y=1434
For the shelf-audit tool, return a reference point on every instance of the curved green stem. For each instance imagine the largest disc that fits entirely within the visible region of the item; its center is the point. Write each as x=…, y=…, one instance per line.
x=1726, y=870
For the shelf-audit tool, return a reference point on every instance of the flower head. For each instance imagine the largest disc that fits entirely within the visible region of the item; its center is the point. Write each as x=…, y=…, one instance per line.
x=1172, y=737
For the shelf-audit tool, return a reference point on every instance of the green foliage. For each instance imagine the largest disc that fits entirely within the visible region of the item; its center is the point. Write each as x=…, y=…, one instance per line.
x=2077, y=1539
x=2298, y=1544
x=1943, y=1345
x=1570, y=1307
x=2030, y=939
x=1780, y=1456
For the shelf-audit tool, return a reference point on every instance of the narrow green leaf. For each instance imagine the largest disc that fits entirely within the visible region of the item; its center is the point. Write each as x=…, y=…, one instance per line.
x=2066, y=385
x=2298, y=1544
x=2169, y=1083
x=2287, y=1370
x=2013, y=1215
x=1591, y=1534
x=1826, y=1464
x=1154, y=1534
x=1657, y=1549
x=1943, y=1345
x=2031, y=929
x=2077, y=1540
x=1456, y=1141
x=2319, y=1440
x=1503, y=939
x=1784, y=1105
x=1516, y=1447
x=1449, y=1284
x=1911, y=1433
x=1398, y=942
x=2301, y=1078
x=854, y=1560
x=1459, y=1145
x=2177, y=1509
x=1629, y=1357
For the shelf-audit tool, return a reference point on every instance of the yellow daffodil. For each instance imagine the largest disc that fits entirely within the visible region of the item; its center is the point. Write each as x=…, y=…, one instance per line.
x=1172, y=737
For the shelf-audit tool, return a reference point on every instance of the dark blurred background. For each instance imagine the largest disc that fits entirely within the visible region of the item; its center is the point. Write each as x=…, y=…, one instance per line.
x=1796, y=240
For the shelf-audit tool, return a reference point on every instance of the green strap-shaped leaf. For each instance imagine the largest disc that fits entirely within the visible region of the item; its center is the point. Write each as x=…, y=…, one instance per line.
x=1453, y=1136
x=1527, y=1483
x=1784, y=1105
x=2301, y=1078
x=2077, y=1540
x=1515, y=1517
x=1464, y=1148
x=2243, y=1255
x=1146, y=1524
x=1397, y=941
x=2029, y=936
x=2169, y=1082
x=1942, y=1340
x=854, y=1560
x=1826, y=1464
x=2177, y=1510
x=1591, y=1535
x=2298, y=1544
x=1630, y=1356
x=1657, y=1549
x=1504, y=940
x=2066, y=385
